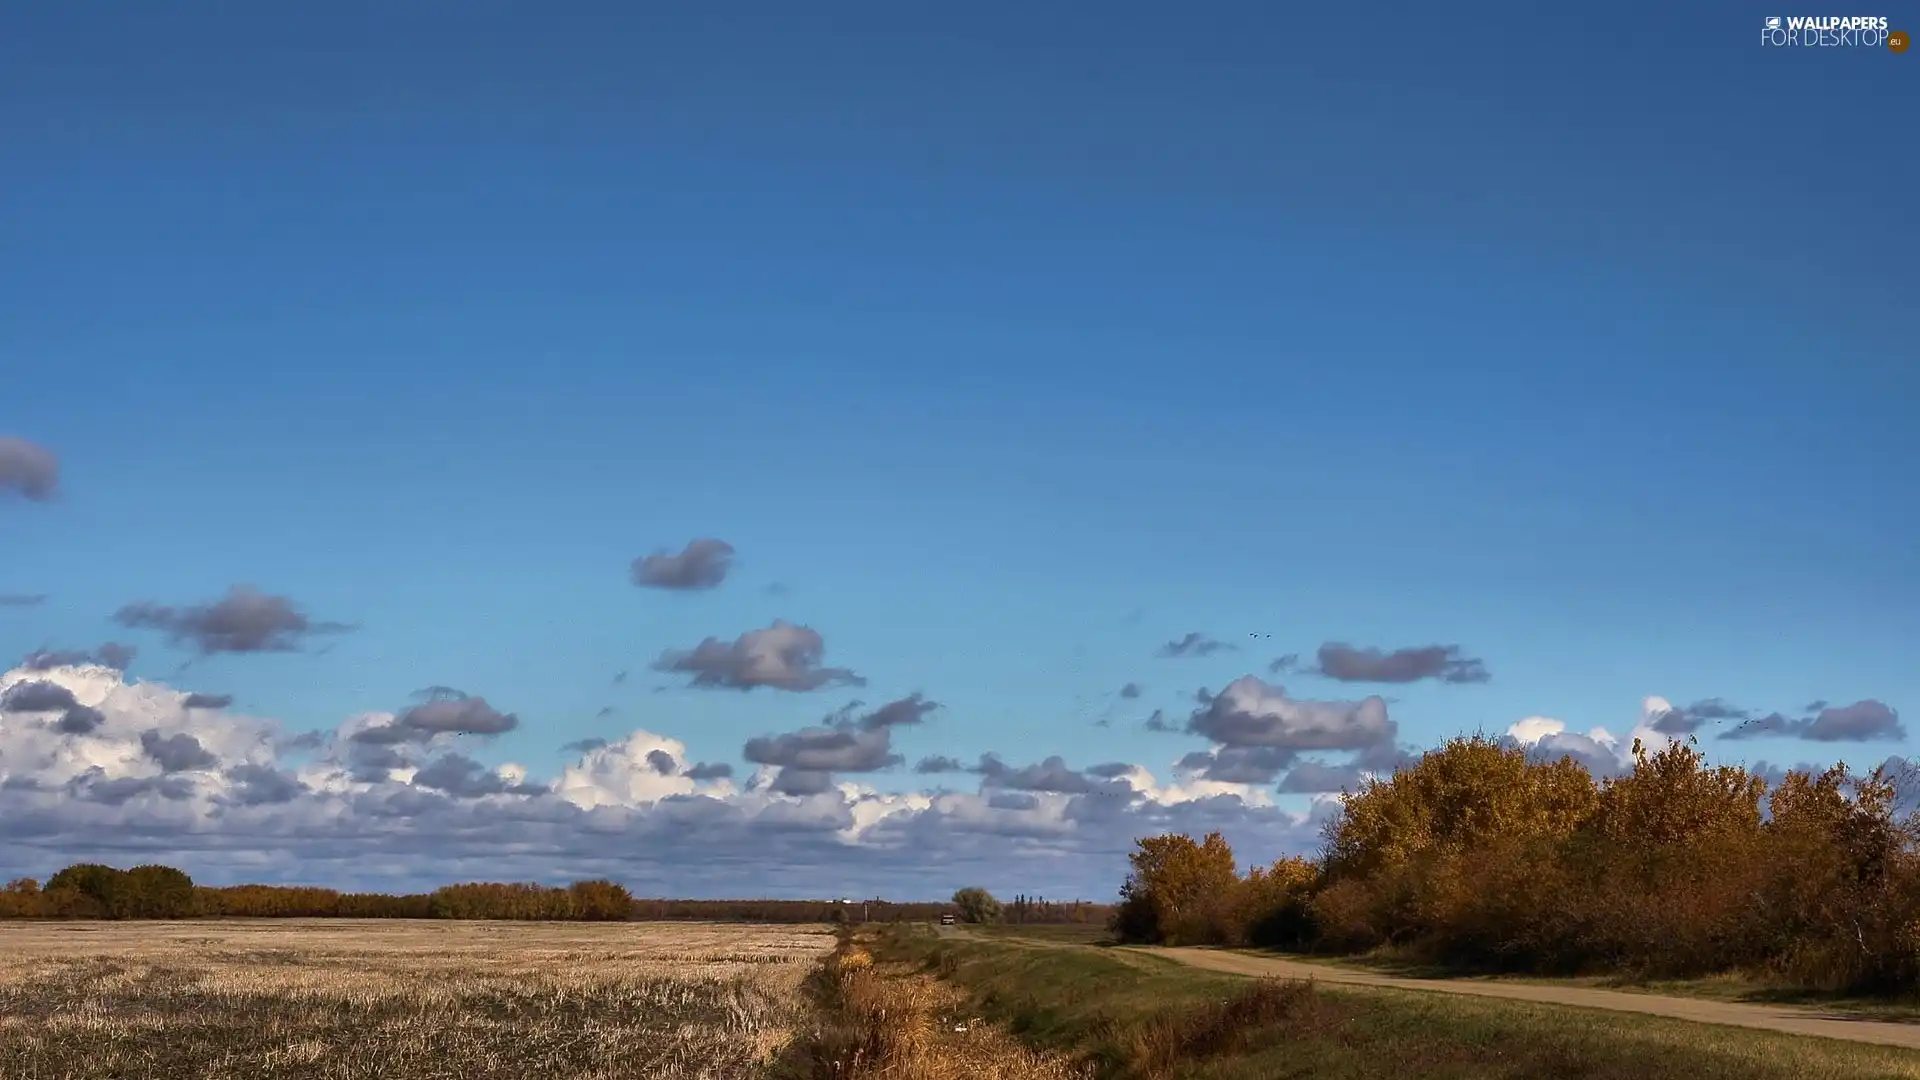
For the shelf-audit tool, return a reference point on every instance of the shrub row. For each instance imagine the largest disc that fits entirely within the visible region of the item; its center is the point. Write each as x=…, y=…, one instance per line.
x=94, y=891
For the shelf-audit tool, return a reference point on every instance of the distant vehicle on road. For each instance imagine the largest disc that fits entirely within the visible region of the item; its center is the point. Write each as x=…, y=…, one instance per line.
x=946, y=920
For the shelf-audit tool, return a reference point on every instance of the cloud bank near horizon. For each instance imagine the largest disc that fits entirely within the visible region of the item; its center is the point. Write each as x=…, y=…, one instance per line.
x=94, y=765
x=399, y=799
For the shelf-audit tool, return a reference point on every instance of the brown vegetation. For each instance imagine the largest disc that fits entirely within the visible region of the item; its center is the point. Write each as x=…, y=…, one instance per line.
x=886, y=1020
x=1479, y=857
x=339, y=999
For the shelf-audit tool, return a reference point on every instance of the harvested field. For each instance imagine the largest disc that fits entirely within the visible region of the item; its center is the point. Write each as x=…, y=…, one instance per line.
x=399, y=1000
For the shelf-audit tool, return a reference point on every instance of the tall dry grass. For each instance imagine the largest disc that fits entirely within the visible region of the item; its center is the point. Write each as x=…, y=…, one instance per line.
x=887, y=1021
x=333, y=1000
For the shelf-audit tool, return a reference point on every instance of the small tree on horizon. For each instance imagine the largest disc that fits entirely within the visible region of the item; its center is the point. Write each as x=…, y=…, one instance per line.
x=977, y=905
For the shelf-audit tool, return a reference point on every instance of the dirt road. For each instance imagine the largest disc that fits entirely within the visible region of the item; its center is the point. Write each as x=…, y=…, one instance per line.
x=1789, y=1020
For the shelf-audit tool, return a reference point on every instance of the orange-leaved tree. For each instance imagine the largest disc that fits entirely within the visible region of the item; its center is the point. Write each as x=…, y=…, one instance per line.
x=1176, y=890
x=1407, y=854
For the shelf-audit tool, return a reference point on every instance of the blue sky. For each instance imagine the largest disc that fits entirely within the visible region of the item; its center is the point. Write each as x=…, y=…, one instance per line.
x=1008, y=345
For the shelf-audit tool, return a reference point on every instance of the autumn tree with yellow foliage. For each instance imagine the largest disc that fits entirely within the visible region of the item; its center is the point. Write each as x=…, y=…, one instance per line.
x=1481, y=856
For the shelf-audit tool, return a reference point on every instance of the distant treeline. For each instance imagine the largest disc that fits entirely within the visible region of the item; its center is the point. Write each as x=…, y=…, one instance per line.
x=813, y=911
x=94, y=891
x=1479, y=857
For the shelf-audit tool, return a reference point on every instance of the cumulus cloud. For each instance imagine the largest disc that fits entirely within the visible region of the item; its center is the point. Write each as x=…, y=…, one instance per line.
x=783, y=656
x=702, y=564
x=1238, y=764
x=110, y=654
x=912, y=709
x=47, y=659
x=178, y=752
x=245, y=620
x=1384, y=758
x=1774, y=775
x=1604, y=754
x=461, y=715
x=27, y=469
x=446, y=712
x=1862, y=721
x=847, y=741
x=1249, y=712
x=260, y=785
x=1687, y=720
x=115, y=655
x=1347, y=663
x=1050, y=775
x=42, y=696
x=629, y=773
x=1312, y=777
x=37, y=695
x=824, y=749
x=79, y=720
x=792, y=781
x=299, y=741
x=1013, y=800
x=95, y=786
x=464, y=778
x=1194, y=644
x=116, y=744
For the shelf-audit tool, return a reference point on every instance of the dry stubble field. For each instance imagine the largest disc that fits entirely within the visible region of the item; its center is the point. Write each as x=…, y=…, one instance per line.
x=334, y=999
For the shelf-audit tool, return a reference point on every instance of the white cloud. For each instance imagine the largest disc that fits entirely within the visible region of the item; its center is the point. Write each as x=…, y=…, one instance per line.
x=1534, y=728
x=620, y=774
x=1597, y=748
x=1251, y=712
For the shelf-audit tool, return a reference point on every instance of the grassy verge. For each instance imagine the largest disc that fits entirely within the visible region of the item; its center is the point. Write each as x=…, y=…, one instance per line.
x=1138, y=1017
x=1068, y=933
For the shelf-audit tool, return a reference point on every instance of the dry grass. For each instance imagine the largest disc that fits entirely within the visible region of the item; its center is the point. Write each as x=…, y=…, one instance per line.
x=334, y=999
x=885, y=1021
